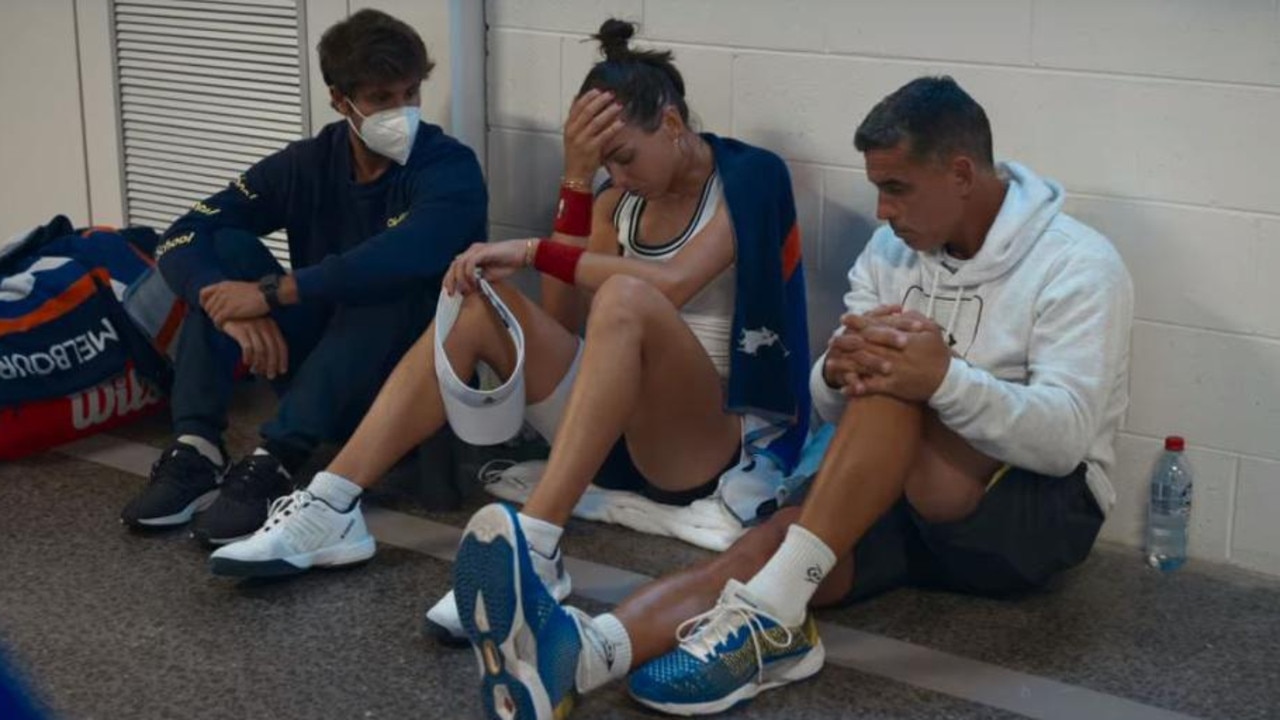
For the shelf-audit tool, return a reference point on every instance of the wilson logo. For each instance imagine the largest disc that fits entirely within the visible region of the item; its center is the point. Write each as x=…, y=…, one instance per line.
x=113, y=399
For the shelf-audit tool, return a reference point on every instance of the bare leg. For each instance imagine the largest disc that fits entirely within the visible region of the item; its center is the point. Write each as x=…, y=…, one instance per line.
x=652, y=614
x=409, y=409
x=644, y=375
x=945, y=481
x=950, y=477
x=943, y=478
x=883, y=430
x=864, y=470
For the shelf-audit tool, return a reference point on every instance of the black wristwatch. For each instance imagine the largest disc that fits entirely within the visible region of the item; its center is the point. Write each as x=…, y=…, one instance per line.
x=270, y=287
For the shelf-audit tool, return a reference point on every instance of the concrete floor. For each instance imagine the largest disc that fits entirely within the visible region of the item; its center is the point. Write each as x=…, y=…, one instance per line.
x=109, y=624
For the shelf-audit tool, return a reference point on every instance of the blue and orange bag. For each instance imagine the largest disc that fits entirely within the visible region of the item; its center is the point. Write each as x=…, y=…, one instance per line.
x=72, y=359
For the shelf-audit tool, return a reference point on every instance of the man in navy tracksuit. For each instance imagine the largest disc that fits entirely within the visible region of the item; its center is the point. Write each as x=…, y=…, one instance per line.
x=375, y=208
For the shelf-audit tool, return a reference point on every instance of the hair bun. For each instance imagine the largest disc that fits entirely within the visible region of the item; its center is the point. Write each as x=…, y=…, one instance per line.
x=613, y=37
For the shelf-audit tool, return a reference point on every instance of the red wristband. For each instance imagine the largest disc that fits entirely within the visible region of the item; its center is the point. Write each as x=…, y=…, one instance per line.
x=559, y=260
x=573, y=214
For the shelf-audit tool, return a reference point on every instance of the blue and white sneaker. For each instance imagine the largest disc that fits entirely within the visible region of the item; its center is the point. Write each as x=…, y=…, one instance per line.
x=443, y=623
x=727, y=656
x=527, y=644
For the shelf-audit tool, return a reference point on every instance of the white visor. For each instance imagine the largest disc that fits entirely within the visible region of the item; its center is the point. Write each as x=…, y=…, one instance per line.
x=480, y=417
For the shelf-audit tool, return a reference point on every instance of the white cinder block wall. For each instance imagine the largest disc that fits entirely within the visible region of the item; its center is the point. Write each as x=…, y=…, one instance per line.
x=1161, y=118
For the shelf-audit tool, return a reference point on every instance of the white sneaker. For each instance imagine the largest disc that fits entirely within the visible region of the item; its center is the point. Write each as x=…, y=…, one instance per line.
x=301, y=532
x=442, y=621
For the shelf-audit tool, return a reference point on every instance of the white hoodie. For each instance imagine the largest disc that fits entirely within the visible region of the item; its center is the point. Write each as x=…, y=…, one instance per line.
x=1039, y=326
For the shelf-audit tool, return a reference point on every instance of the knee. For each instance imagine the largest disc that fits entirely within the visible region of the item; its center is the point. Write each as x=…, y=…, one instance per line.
x=622, y=303
x=473, y=316
x=474, y=305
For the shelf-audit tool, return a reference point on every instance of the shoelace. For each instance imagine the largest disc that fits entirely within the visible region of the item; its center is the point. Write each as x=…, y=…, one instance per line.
x=283, y=506
x=706, y=631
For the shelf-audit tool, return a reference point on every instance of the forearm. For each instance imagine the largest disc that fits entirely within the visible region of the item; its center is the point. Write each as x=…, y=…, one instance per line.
x=375, y=270
x=1040, y=427
x=1077, y=357
x=679, y=279
x=595, y=269
x=564, y=302
x=187, y=261
x=252, y=203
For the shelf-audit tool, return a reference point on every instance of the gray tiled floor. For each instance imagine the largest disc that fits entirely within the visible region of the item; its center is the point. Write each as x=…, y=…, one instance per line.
x=115, y=625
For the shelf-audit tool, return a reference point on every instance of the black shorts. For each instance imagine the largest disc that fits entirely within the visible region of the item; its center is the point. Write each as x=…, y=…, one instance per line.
x=619, y=472
x=1027, y=528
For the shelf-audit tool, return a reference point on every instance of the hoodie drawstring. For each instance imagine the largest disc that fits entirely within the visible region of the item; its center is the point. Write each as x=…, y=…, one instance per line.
x=955, y=306
x=933, y=294
x=955, y=313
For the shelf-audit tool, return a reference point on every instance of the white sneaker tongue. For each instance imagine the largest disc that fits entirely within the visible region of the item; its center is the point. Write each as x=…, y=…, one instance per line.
x=737, y=593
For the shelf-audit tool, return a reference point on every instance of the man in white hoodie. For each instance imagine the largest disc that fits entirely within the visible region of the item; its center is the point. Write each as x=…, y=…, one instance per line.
x=977, y=381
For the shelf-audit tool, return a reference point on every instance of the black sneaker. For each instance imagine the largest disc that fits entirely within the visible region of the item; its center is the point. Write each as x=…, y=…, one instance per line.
x=183, y=482
x=241, y=508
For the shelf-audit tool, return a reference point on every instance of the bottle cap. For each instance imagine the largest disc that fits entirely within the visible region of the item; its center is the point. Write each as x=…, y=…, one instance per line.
x=1175, y=443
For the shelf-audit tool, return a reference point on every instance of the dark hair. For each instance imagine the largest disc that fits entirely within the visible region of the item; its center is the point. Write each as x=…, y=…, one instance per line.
x=644, y=81
x=371, y=48
x=935, y=115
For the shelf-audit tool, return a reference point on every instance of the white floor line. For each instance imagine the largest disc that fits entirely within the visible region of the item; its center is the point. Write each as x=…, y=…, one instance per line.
x=960, y=677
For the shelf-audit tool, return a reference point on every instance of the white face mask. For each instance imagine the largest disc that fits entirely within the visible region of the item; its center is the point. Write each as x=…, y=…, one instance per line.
x=389, y=133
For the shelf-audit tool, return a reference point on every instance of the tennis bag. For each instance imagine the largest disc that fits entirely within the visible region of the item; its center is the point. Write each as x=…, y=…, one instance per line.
x=73, y=361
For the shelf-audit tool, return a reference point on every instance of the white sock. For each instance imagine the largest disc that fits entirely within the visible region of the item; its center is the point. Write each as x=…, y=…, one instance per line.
x=543, y=537
x=606, y=654
x=788, y=581
x=339, y=492
x=204, y=447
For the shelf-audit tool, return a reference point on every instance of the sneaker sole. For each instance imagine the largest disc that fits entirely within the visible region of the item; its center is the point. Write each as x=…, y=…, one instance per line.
x=332, y=557
x=799, y=669
x=488, y=585
x=182, y=517
x=218, y=542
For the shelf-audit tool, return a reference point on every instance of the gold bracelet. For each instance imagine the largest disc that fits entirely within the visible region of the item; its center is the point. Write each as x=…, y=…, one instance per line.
x=528, y=252
x=575, y=184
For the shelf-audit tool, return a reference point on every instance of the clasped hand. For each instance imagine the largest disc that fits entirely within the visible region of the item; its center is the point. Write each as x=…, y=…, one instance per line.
x=887, y=351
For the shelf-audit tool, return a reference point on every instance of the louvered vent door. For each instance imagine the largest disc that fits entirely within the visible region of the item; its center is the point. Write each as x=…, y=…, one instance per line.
x=206, y=90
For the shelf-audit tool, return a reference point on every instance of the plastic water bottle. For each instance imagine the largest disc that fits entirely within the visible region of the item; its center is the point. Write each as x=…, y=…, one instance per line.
x=1170, y=508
